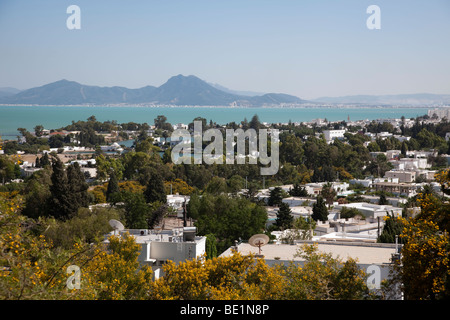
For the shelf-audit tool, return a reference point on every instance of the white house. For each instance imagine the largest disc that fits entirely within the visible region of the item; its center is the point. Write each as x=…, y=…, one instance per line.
x=330, y=135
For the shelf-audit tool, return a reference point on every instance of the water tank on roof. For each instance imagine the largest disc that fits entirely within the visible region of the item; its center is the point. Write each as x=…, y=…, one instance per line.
x=189, y=233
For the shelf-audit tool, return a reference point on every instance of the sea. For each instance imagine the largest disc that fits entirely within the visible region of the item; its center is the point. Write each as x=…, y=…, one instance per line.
x=54, y=117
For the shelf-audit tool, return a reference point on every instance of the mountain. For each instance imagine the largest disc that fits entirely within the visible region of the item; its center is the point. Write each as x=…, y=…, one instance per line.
x=8, y=91
x=240, y=93
x=66, y=92
x=398, y=99
x=178, y=90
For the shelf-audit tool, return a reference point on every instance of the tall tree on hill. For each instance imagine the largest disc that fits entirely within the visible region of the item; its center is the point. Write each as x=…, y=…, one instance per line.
x=276, y=197
x=284, y=217
x=298, y=191
x=60, y=205
x=113, y=187
x=320, y=211
x=328, y=193
x=255, y=123
x=68, y=190
x=77, y=187
x=155, y=190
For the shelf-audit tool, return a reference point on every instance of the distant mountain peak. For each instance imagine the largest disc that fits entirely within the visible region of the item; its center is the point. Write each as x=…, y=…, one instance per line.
x=177, y=90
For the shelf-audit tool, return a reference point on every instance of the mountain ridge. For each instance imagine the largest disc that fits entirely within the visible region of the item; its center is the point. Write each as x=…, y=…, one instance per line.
x=178, y=90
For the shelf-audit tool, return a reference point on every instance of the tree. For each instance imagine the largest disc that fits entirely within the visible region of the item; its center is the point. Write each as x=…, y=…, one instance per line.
x=226, y=217
x=155, y=190
x=77, y=187
x=160, y=123
x=324, y=277
x=404, y=149
x=298, y=191
x=113, y=187
x=234, y=277
x=38, y=130
x=7, y=169
x=320, y=211
x=328, y=193
x=217, y=185
x=210, y=246
x=424, y=267
x=116, y=274
x=392, y=227
x=276, y=197
x=254, y=123
x=235, y=184
x=284, y=217
x=347, y=213
x=383, y=200
x=137, y=211
x=291, y=150
x=60, y=202
x=68, y=190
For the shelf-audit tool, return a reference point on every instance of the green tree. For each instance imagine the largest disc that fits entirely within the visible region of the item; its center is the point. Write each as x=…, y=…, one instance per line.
x=68, y=190
x=38, y=130
x=291, y=149
x=7, y=169
x=383, y=200
x=284, y=217
x=298, y=191
x=320, y=211
x=155, y=190
x=255, y=123
x=227, y=218
x=211, y=248
x=113, y=187
x=328, y=193
x=392, y=227
x=136, y=210
x=78, y=188
x=60, y=205
x=276, y=197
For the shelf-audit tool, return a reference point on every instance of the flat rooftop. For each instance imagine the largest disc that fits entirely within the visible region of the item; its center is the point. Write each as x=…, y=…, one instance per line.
x=364, y=253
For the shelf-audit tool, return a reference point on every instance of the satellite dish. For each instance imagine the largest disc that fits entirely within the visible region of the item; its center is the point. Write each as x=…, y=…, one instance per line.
x=258, y=240
x=116, y=225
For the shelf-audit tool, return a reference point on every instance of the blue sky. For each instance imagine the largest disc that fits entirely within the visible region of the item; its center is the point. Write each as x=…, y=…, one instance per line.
x=302, y=47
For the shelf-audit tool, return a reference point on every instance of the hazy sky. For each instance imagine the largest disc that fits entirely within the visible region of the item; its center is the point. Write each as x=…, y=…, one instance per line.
x=308, y=48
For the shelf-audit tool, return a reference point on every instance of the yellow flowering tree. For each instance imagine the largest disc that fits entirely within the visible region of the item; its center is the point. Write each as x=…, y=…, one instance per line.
x=32, y=268
x=115, y=273
x=323, y=277
x=26, y=260
x=424, y=270
x=233, y=277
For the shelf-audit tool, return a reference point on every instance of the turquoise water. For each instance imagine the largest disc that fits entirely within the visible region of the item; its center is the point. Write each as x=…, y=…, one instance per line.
x=53, y=117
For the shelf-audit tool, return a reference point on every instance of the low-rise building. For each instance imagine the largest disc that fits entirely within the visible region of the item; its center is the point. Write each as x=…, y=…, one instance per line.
x=370, y=210
x=399, y=189
x=376, y=259
x=160, y=246
x=401, y=175
x=330, y=135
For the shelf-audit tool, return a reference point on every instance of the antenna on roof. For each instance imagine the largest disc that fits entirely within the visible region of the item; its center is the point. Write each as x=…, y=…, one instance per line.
x=258, y=240
x=116, y=225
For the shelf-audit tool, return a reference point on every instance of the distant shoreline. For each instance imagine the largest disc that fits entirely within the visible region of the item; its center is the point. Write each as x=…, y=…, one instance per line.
x=340, y=106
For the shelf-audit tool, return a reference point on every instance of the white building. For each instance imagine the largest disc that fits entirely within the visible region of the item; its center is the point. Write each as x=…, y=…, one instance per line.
x=113, y=147
x=440, y=112
x=370, y=210
x=158, y=247
x=401, y=175
x=330, y=135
